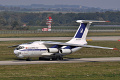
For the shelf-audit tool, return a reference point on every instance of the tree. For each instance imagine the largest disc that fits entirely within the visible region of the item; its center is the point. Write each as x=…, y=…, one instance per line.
x=15, y=25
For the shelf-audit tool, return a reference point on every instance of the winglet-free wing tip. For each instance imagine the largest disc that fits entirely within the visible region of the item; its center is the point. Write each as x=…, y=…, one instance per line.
x=107, y=21
x=115, y=49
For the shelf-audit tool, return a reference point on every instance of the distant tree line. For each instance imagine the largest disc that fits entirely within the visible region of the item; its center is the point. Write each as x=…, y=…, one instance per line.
x=16, y=20
x=59, y=8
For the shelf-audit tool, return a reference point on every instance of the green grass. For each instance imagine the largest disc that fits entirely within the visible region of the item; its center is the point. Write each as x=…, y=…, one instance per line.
x=68, y=71
x=59, y=34
x=76, y=27
x=46, y=34
x=53, y=27
x=104, y=34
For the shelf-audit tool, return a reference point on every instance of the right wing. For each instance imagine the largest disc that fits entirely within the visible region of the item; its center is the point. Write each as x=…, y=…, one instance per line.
x=77, y=45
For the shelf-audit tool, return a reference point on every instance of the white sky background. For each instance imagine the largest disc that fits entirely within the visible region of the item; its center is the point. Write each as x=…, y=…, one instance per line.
x=104, y=4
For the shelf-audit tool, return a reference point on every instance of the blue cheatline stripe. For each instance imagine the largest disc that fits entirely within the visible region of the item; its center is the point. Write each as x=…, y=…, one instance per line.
x=34, y=50
x=81, y=30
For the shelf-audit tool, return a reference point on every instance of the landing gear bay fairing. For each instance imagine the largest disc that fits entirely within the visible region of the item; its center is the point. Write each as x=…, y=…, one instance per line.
x=56, y=50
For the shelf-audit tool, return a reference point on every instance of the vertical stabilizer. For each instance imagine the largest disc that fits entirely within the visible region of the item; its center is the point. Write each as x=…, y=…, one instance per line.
x=81, y=33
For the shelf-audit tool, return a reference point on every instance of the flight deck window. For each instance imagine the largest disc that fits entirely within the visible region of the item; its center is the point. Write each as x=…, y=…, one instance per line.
x=19, y=47
x=29, y=43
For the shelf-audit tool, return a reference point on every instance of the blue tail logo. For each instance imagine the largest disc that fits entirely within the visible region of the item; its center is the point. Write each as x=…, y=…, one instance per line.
x=81, y=30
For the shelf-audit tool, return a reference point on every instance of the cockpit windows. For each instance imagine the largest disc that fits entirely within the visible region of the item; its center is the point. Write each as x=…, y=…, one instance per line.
x=29, y=43
x=19, y=47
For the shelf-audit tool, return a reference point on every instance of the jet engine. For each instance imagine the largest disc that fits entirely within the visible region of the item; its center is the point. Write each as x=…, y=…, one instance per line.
x=65, y=51
x=53, y=50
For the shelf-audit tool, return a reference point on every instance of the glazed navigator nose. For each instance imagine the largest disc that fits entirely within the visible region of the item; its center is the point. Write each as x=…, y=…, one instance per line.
x=16, y=52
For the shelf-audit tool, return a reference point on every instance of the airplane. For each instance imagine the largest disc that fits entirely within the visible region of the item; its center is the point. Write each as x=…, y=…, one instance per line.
x=56, y=50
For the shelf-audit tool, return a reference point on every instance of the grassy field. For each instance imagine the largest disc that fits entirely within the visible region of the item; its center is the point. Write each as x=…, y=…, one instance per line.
x=104, y=34
x=59, y=34
x=76, y=27
x=68, y=71
x=38, y=35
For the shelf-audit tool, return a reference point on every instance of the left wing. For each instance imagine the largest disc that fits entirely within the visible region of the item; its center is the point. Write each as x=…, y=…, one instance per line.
x=77, y=45
x=13, y=46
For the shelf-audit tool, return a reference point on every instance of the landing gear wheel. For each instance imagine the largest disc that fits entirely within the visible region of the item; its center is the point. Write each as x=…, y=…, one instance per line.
x=54, y=59
x=40, y=58
x=58, y=58
x=28, y=59
x=61, y=58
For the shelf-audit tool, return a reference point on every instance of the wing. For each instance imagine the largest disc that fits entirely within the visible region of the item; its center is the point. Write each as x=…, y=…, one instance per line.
x=77, y=45
x=13, y=46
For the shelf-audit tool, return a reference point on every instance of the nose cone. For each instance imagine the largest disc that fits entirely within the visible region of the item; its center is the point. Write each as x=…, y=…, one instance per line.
x=18, y=54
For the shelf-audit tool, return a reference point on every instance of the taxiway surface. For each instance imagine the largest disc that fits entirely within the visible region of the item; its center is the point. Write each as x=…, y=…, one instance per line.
x=23, y=62
x=100, y=38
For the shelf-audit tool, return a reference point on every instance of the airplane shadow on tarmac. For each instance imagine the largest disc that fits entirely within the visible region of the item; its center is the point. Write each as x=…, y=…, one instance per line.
x=64, y=59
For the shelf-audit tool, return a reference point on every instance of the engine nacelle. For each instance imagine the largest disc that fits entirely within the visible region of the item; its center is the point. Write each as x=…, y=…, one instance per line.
x=65, y=51
x=53, y=50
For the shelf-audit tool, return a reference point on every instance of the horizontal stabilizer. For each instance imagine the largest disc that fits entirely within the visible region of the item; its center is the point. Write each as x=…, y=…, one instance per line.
x=89, y=21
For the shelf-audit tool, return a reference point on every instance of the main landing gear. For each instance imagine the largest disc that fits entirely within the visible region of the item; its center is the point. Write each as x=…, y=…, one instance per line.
x=28, y=59
x=58, y=58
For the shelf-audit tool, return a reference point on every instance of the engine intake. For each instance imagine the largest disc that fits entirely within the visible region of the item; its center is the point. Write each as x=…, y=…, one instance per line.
x=65, y=51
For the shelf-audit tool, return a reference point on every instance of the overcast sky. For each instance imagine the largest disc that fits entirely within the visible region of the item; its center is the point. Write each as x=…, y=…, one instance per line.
x=105, y=4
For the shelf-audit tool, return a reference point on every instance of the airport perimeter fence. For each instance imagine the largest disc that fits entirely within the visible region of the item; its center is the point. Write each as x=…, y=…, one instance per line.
x=32, y=31
x=53, y=31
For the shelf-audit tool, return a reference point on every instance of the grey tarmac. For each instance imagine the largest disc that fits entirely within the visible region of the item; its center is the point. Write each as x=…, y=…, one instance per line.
x=99, y=38
x=23, y=62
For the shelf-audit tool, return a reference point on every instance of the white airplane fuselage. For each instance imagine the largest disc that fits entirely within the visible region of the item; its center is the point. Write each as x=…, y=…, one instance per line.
x=38, y=49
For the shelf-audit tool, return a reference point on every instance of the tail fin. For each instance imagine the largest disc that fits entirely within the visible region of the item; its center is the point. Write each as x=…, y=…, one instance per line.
x=81, y=33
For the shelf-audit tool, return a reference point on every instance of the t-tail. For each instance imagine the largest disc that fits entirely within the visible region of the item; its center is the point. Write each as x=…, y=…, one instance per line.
x=81, y=33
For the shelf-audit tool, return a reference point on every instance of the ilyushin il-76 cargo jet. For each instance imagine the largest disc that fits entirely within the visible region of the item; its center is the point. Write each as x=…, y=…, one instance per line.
x=56, y=50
